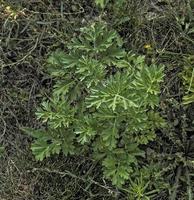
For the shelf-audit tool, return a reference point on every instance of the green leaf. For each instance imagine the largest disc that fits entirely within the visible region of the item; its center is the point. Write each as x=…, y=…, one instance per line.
x=118, y=165
x=38, y=134
x=59, y=63
x=67, y=145
x=51, y=141
x=113, y=93
x=95, y=39
x=60, y=59
x=110, y=136
x=90, y=71
x=61, y=88
x=187, y=99
x=85, y=130
x=101, y=3
x=116, y=171
x=188, y=81
x=147, y=82
x=56, y=112
x=42, y=149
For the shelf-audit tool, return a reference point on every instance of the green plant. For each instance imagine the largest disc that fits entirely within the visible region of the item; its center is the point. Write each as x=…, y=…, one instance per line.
x=104, y=99
x=188, y=80
x=101, y=3
x=118, y=9
x=116, y=3
x=146, y=182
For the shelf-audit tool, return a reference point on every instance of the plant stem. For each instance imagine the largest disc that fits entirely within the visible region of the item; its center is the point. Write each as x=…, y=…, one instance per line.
x=189, y=188
x=176, y=185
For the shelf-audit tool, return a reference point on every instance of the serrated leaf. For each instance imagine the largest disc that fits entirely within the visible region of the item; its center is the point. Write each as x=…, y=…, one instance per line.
x=42, y=149
x=114, y=93
x=56, y=112
x=85, y=130
x=62, y=87
x=36, y=133
x=110, y=136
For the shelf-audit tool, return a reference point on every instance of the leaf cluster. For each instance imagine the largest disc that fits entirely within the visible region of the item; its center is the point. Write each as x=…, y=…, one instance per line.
x=104, y=99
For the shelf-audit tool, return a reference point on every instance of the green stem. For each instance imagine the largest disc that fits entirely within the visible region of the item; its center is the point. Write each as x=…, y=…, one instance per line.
x=176, y=185
x=192, y=77
x=189, y=188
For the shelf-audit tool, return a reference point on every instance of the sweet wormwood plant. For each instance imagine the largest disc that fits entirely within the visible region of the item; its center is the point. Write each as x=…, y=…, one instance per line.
x=104, y=100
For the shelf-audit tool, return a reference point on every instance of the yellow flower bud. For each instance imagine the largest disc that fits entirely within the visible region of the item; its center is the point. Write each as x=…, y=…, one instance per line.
x=8, y=8
x=147, y=46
